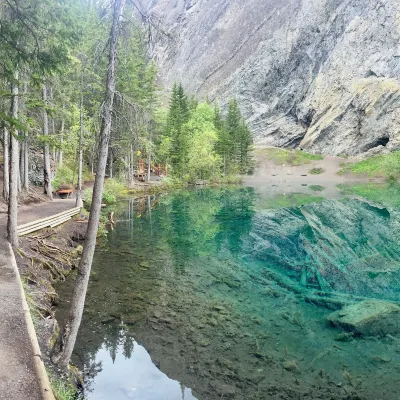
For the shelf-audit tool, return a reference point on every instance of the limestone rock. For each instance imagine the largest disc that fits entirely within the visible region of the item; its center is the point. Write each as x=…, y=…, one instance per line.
x=369, y=318
x=320, y=74
x=319, y=246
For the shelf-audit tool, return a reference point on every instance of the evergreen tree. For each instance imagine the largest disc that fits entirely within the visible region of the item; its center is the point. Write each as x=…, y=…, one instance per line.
x=245, y=149
x=235, y=140
x=178, y=115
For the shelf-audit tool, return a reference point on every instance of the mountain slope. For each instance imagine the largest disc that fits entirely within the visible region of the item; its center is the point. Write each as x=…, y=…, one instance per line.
x=319, y=74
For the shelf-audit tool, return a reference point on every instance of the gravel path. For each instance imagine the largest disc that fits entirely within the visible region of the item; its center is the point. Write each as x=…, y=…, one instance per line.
x=18, y=379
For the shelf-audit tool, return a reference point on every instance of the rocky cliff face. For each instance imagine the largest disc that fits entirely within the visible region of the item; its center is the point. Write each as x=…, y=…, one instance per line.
x=319, y=74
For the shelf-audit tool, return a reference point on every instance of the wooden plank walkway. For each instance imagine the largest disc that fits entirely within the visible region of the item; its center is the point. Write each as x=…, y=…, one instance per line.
x=48, y=222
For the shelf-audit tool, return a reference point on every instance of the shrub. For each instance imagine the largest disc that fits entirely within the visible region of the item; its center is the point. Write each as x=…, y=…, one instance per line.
x=64, y=178
x=316, y=188
x=316, y=171
x=112, y=191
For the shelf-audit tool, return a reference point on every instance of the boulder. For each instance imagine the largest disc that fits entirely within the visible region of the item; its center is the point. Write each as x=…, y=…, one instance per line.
x=369, y=318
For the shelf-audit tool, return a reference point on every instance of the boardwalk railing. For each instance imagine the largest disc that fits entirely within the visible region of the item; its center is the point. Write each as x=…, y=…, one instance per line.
x=49, y=222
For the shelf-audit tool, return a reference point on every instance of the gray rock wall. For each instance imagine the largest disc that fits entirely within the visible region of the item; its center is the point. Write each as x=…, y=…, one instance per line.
x=319, y=74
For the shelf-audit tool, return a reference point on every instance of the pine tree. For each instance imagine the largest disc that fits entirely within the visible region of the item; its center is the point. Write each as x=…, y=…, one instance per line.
x=178, y=116
x=232, y=126
x=235, y=140
x=245, y=149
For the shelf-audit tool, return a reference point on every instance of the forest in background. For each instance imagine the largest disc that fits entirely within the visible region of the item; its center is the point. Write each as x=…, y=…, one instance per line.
x=59, y=71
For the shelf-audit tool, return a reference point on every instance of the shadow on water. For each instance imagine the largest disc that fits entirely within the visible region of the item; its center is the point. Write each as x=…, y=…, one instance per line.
x=205, y=290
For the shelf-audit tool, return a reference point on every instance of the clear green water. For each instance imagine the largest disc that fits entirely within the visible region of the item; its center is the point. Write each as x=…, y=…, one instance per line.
x=224, y=294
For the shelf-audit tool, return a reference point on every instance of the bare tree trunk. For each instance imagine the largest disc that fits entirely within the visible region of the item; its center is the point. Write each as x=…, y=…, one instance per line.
x=63, y=348
x=60, y=155
x=53, y=122
x=149, y=159
x=79, y=202
x=24, y=167
x=12, y=222
x=19, y=183
x=21, y=163
x=26, y=162
x=6, y=164
x=110, y=164
x=46, y=150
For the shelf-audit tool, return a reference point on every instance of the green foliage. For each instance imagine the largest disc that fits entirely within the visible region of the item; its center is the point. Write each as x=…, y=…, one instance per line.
x=64, y=176
x=113, y=191
x=200, y=135
x=381, y=166
x=289, y=157
x=62, y=389
x=235, y=140
x=316, y=171
x=289, y=200
x=387, y=194
x=199, y=144
x=316, y=188
x=178, y=116
x=48, y=30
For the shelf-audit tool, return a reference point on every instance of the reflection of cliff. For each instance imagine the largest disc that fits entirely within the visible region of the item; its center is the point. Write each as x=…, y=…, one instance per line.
x=347, y=246
x=187, y=281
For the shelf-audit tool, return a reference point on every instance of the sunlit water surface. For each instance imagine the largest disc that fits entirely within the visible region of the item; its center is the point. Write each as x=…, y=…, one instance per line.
x=225, y=293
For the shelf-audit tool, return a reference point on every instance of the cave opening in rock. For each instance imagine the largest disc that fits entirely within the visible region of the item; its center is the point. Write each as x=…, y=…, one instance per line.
x=381, y=141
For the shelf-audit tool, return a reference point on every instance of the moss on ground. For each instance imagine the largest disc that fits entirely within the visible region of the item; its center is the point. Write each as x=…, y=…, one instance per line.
x=289, y=200
x=381, y=166
x=289, y=157
x=384, y=193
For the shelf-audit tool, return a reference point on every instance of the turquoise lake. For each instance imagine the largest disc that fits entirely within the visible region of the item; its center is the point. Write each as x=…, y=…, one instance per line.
x=225, y=294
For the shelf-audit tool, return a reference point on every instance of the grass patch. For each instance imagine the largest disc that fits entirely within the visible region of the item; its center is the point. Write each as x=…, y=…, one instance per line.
x=316, y=188
x=289, y=200
x=62, y=390
x=386, y=194
x=316, y=171
x=289, y=157
x=381, y=166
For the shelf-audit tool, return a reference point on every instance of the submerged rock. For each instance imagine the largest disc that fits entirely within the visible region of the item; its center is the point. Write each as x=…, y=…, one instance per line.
x=369, y=318
x=291, y=366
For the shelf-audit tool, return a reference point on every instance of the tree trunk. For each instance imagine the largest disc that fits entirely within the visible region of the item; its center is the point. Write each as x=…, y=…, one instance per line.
x=26, y=162
x=12, y=222
x=63, y=348
x=21, y=163
x=79, y=202
x=24, y=168
x=149, y=161
x=110, y=165
x=60, y=155
x=46, y=150
x=6, y=164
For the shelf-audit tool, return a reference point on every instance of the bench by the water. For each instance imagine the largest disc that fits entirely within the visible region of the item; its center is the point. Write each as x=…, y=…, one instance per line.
x=65, y=193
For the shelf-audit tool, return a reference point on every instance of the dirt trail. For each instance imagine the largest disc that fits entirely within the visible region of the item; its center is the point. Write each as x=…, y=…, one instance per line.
x=283, y=179
x=18, y=379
